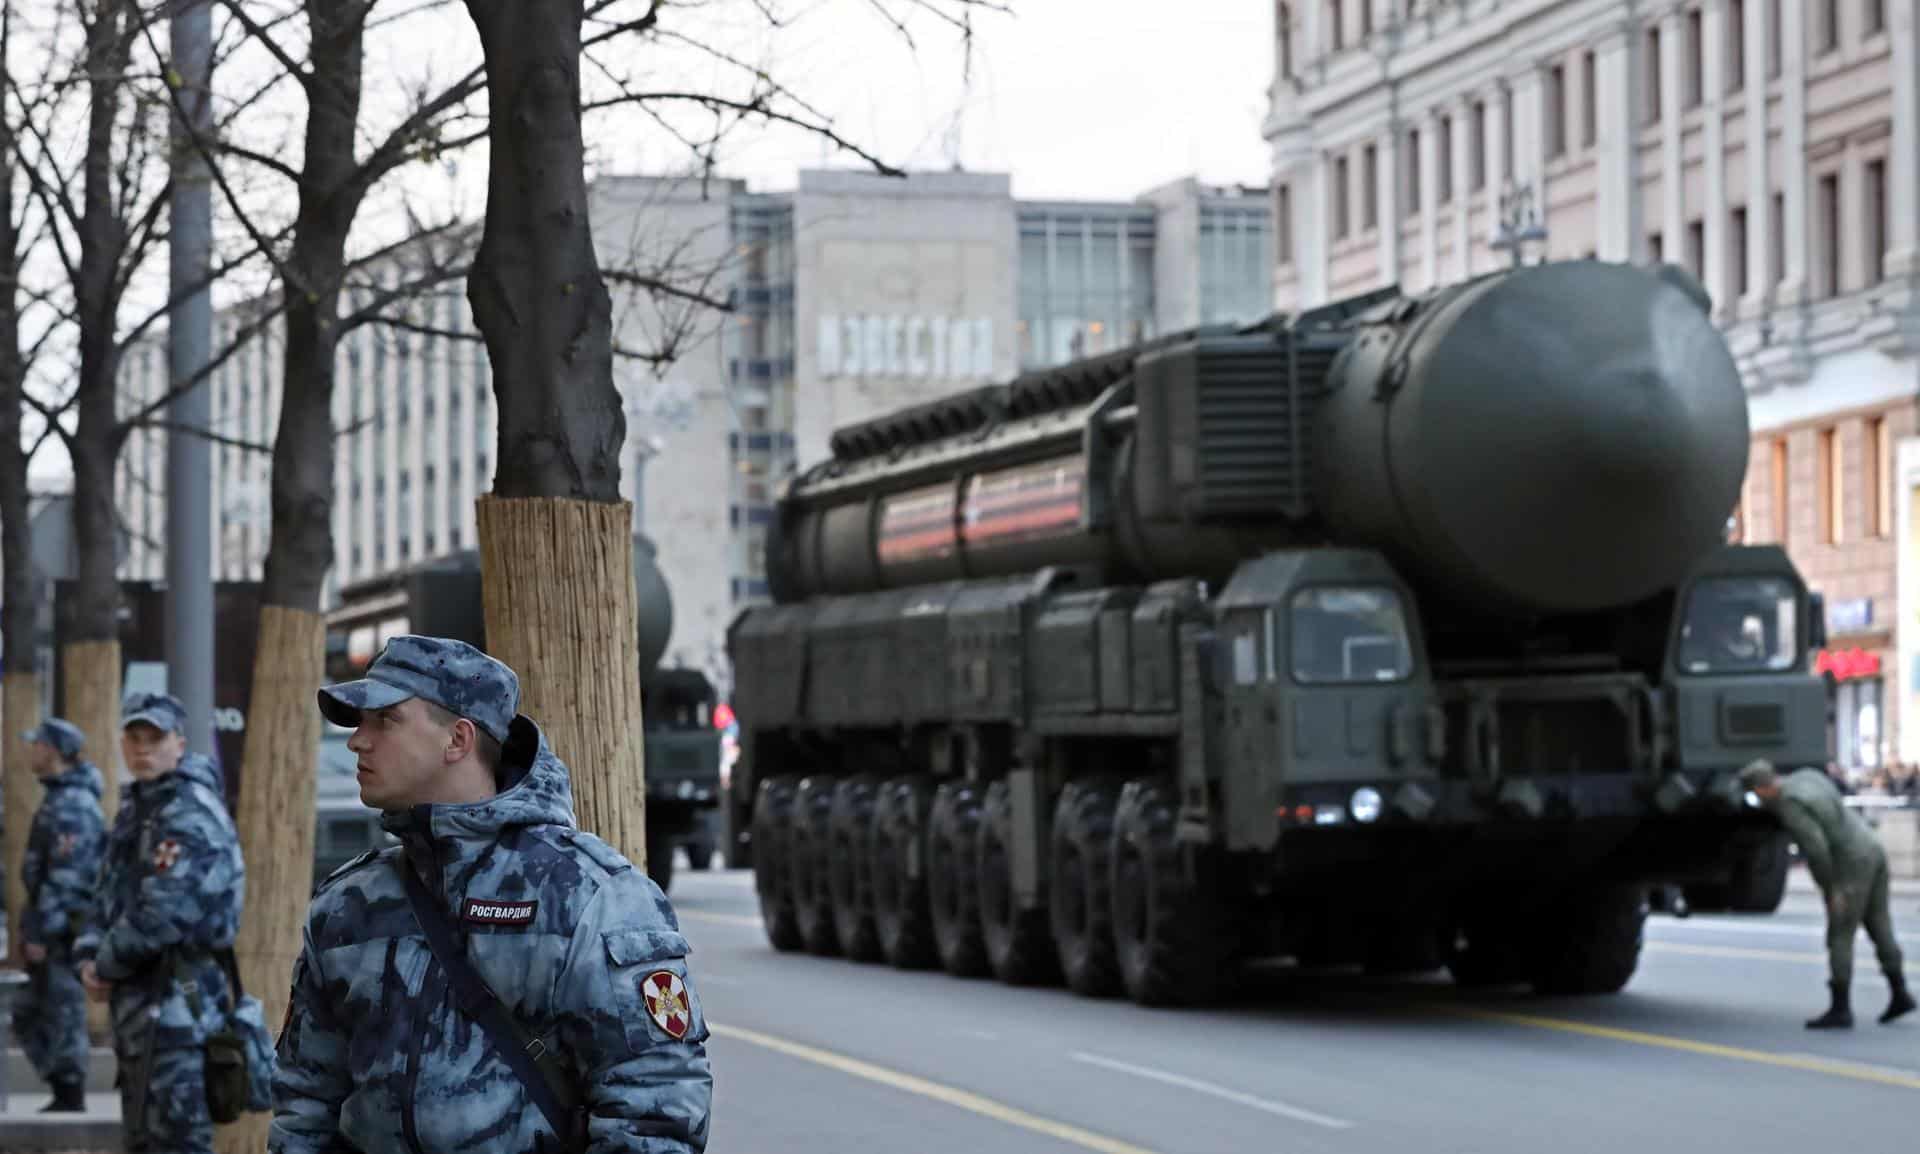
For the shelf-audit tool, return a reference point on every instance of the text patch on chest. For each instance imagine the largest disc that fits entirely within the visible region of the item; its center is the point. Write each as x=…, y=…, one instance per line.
x=489, y=912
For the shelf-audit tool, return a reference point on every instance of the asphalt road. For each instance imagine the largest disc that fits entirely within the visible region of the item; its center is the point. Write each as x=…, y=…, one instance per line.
x=1705, y=1048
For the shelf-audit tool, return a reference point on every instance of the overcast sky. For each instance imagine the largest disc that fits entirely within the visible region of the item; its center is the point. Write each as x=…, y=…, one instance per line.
x=1074, y=98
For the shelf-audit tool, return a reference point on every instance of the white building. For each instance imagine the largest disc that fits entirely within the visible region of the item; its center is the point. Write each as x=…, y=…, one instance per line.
x=1771, y=146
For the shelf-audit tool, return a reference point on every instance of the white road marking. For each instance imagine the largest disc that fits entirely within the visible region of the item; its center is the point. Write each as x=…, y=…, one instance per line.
x=1199, y=1087
x=1773, y=929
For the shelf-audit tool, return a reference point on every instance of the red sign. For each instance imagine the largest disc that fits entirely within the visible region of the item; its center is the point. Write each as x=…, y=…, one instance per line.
x=1847, y=664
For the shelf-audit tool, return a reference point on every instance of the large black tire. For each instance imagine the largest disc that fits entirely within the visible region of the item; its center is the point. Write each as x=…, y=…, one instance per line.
x=1762, y=884
x=1172, y=939
x=1080, y=909
x=772, y=881
x=1019, y=942
x=1490, y=950
x=850, y=877
x=809, y=856
x=899, y=878
x=953, y=894
x=1589, y=942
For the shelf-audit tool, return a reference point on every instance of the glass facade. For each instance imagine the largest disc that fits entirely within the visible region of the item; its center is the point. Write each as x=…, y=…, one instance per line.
x=1086, y=280
x=760, y=365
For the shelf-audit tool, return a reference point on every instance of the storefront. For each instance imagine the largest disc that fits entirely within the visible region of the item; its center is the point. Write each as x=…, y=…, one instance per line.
x=1855, y=690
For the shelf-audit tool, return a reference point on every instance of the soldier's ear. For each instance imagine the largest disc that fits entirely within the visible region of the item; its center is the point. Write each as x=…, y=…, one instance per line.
x=460, y=740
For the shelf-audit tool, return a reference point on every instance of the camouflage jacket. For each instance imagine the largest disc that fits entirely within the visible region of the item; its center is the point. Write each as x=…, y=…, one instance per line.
x=1840, y=848
x=581, y=947
x=62, y=864
x=170, y=895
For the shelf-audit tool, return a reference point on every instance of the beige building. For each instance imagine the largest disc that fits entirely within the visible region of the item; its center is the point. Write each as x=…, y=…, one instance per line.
x=1770, y=146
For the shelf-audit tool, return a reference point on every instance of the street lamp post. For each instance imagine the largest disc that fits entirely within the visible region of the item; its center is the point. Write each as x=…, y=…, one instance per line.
x=1519, y=222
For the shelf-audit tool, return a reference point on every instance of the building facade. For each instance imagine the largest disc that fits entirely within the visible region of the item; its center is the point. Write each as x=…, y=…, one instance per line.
x=850, y=296
x=1770, y=146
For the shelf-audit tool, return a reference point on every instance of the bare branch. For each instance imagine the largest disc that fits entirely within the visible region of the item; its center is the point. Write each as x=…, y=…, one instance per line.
x=265, y=38
x=659, y=287
x=756, y=107
x=203, y=434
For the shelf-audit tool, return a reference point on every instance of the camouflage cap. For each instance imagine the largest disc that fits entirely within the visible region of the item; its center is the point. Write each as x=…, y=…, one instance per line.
x=452, y=674
x=1757, y=772
x=163, y=711
x=62, y=735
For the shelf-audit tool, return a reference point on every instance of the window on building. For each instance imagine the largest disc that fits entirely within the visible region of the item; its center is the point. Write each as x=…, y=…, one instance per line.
x=1829, y=29
x=1875, y=219
x=1506, y=140
x=1773, y=39
x=1556, y=112
x=1369, y=187
x=1656, y=248
x=1830, y=487
x=1696, y=59
x=1827, y=213
x=1589, y=100
x=1736, y=61
x=1477, y=147
x=1876, y=14
x=1342, y=224
x=1283, y=36
x=1335, y=40
x=1410, y=164
x=1652, y=93
x=1697, y=248
x=1366, y=18
x=1737, y=252
x=1878, y=477
x=1283, y=223
x=1779, y=513
x=1443, y=150
x=1778, y=240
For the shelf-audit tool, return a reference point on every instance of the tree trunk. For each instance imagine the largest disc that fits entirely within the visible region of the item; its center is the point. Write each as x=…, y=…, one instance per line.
x=556, y=541
x=19, y=709
x=579, y=663
x=277, y=821
x=92, y=693
x=276, y=807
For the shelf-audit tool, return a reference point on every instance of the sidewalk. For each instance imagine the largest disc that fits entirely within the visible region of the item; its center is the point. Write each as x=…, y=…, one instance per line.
x=24, y=1128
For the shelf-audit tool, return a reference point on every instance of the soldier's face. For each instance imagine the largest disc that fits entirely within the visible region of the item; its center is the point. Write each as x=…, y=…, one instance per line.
x=150, y=751
x=402, y=754
x=43, y=758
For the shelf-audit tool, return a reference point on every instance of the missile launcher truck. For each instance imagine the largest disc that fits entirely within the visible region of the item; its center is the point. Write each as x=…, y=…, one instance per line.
x=1402, y=632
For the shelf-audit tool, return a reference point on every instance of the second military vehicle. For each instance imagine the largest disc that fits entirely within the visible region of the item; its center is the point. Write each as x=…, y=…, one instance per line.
x=442, y=598
x=1399, y=632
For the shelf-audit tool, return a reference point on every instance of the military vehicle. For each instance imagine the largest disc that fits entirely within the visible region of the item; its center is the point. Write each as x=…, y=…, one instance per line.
x=1401, y=632
x=442, y=598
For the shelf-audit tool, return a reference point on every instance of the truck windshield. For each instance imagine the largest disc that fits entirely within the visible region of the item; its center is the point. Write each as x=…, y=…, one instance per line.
x=1348, y=635
x=1740, y=625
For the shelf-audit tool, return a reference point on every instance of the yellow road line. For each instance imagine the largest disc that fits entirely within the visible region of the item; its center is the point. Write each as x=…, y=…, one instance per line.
x=986, y=1107
x=1805, y=1062
x=723, y=919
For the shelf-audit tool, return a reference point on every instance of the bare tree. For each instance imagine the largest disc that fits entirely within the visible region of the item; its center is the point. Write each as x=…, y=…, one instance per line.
x=555, y=535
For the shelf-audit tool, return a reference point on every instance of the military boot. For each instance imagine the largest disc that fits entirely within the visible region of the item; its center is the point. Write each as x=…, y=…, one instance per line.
x=1839, y=1016
x=1901, y=1002
x=69, y=1097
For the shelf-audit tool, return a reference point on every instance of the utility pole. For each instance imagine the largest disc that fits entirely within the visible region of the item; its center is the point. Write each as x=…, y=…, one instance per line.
x=189, y=344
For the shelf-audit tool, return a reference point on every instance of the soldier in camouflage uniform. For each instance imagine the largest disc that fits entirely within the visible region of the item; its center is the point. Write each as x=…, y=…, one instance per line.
x=1850, y=866
x=580, y=947
x=170, y=898
x=62, y=864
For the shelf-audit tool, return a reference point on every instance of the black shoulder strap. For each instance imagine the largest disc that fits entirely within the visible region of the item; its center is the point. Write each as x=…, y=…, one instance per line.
x=534, y=1064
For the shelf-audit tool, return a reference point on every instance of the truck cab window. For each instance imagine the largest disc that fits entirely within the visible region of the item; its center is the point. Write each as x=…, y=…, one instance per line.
x=1346, y=635
x=1740, y=625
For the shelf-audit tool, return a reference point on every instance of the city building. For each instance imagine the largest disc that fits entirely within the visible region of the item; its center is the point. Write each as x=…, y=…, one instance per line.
x=850, y=295
x=1772, y=148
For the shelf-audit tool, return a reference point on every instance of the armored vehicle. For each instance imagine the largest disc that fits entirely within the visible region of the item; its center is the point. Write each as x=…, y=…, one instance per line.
x=1402, y=632
x=442, y=598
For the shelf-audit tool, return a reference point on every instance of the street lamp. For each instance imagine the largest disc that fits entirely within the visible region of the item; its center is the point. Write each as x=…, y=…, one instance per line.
x=1519, y=222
